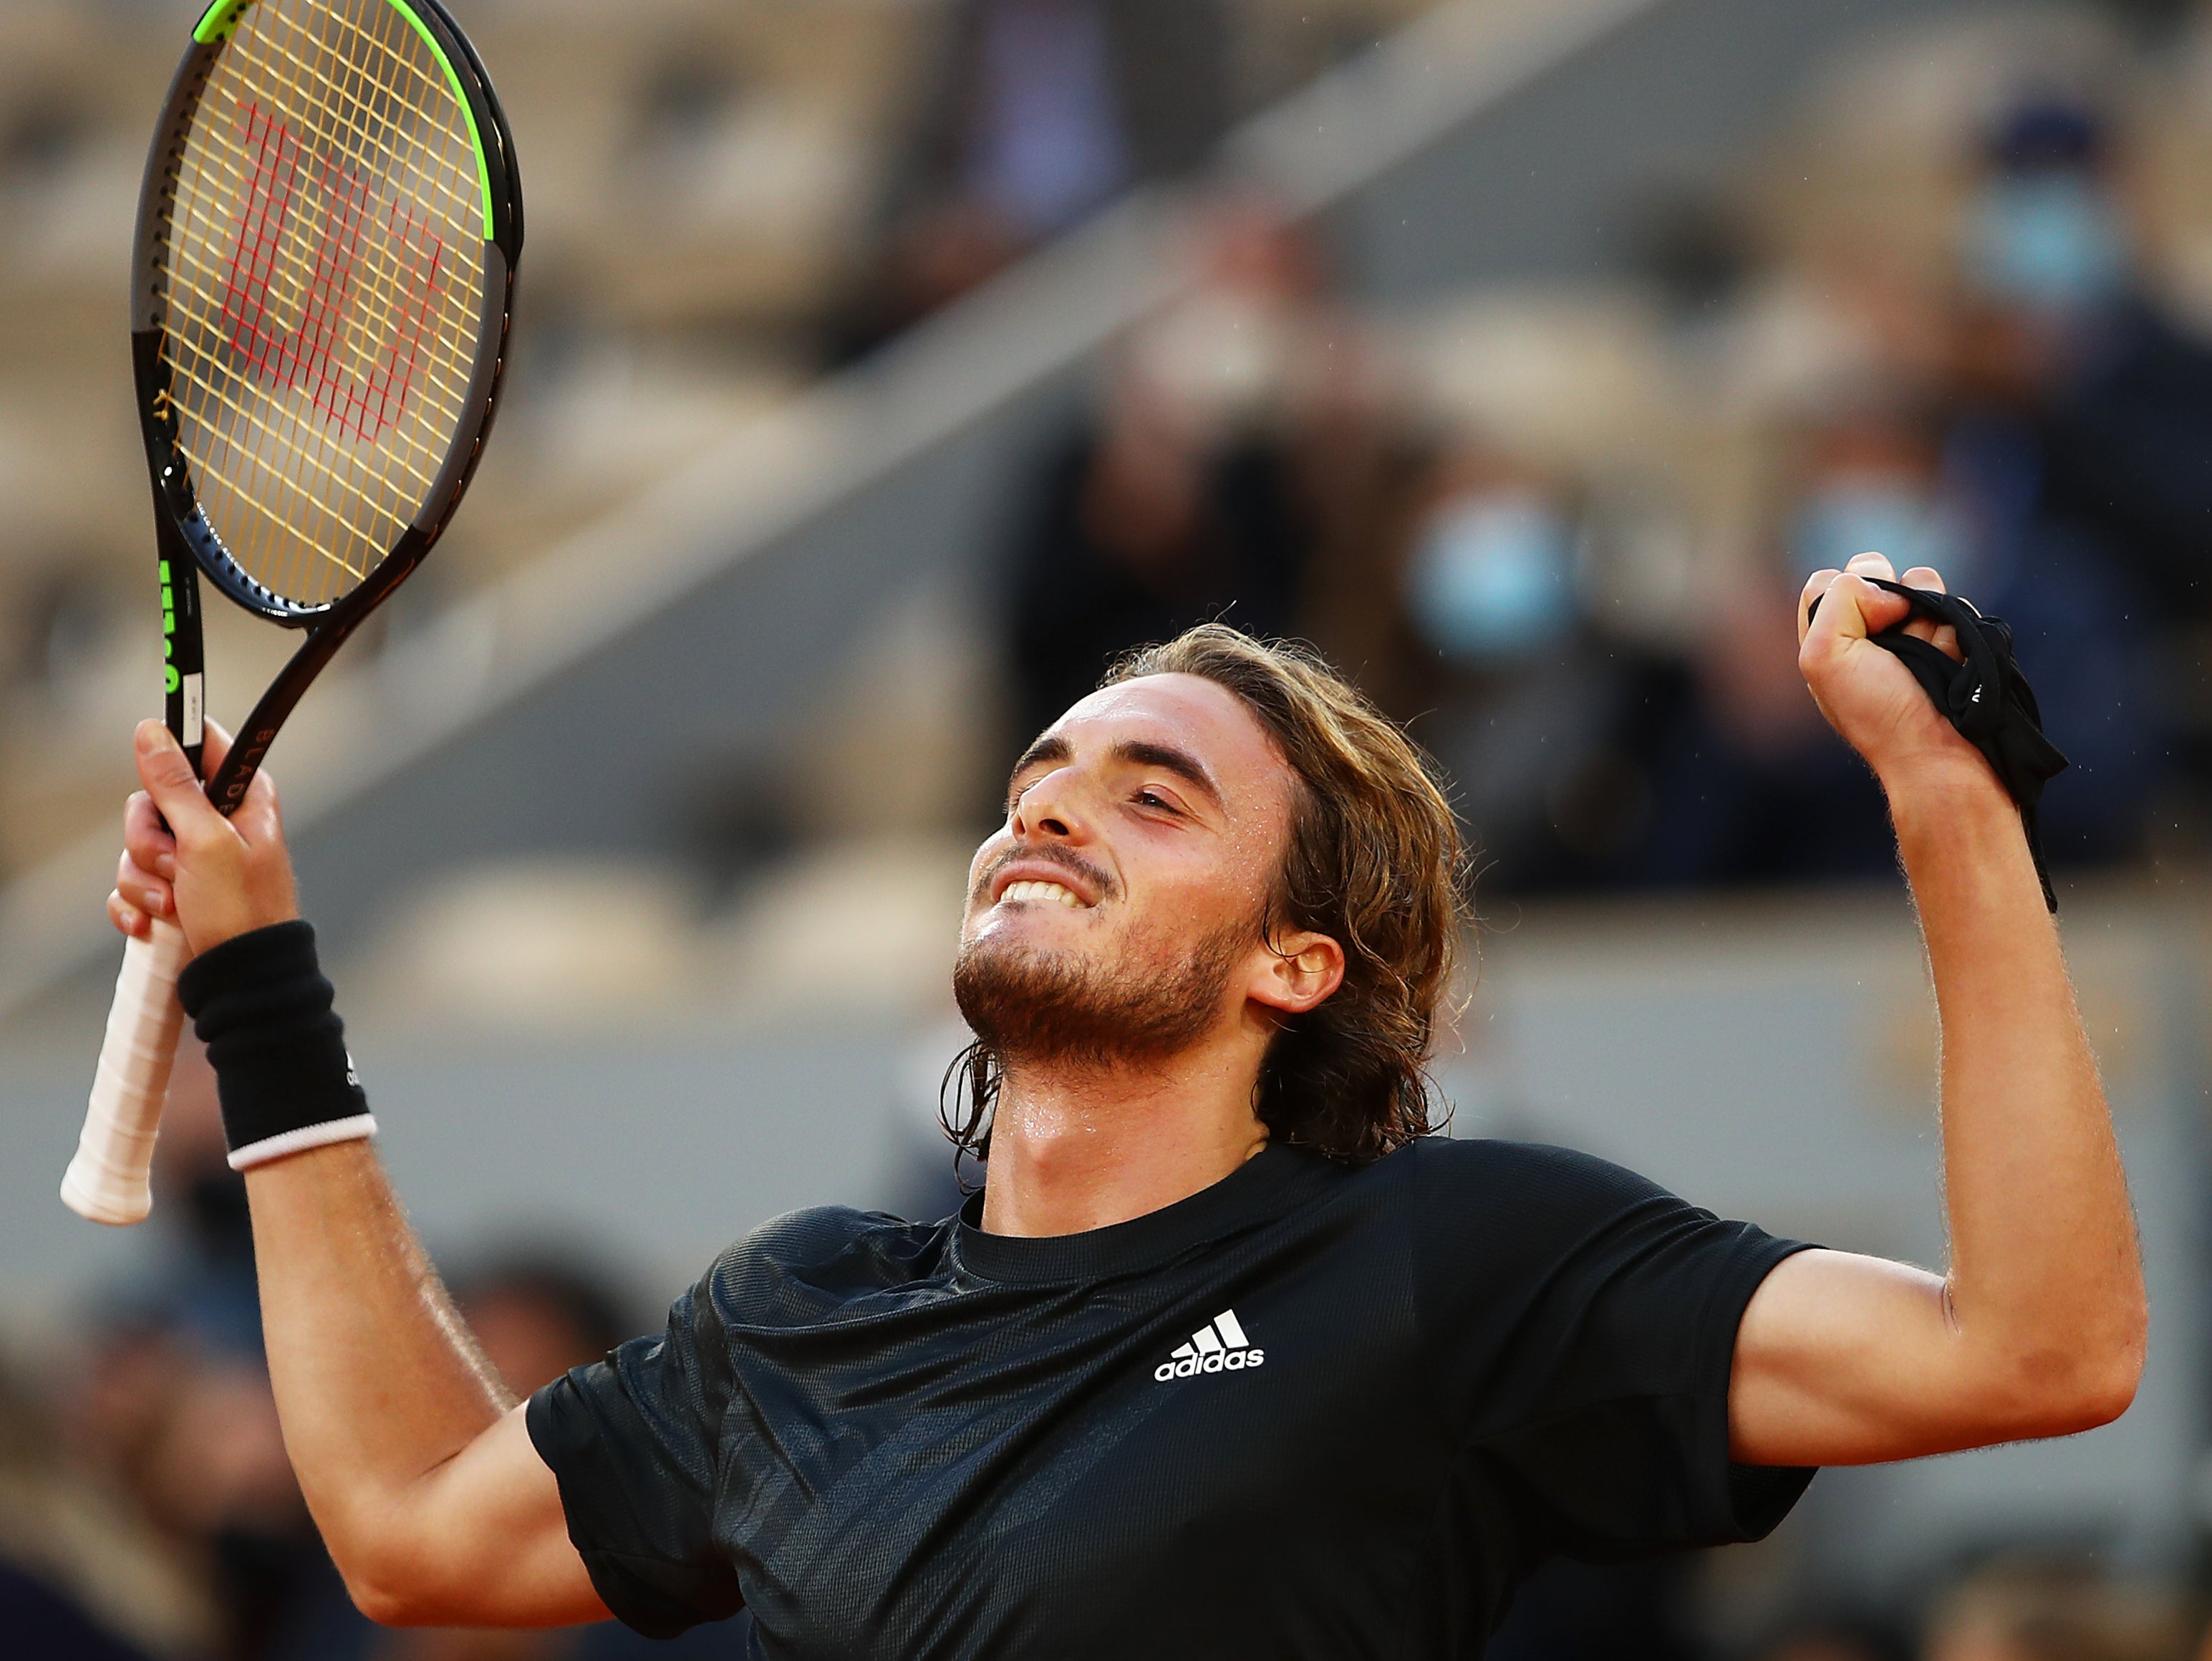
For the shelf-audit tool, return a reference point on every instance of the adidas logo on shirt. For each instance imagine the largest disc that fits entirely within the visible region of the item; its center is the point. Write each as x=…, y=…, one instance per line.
x=1219, y=1346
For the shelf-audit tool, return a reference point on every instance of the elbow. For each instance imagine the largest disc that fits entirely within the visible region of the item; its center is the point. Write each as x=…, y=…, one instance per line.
x=396, y=1604
x=387, y=1599
x=2109, y=1388
x=2063, y=1395
x=387, y=1585
x=385, y=1608
x=2106, y=1384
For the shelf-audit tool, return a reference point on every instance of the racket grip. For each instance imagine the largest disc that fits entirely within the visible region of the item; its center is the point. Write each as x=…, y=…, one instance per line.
x=107, y=1181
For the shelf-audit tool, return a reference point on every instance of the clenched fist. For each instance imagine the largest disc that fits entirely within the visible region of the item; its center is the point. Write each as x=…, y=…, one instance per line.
x=1867, y=694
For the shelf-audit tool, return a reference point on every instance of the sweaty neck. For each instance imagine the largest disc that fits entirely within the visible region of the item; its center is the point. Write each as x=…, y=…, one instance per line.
x=1082, y=1147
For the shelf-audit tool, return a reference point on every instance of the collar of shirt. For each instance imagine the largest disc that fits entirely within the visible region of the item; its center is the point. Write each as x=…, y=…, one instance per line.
x=1263, y=1189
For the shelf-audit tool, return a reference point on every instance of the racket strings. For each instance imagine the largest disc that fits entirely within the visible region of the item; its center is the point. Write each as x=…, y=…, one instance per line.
x=324, y=273
x=337, y=255
x=308, y=361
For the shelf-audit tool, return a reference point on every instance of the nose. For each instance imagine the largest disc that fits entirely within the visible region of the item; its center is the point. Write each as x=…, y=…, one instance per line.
x=1048, y=809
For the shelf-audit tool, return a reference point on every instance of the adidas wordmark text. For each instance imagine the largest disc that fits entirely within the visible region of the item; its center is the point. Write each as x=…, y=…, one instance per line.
x=1219, y=1346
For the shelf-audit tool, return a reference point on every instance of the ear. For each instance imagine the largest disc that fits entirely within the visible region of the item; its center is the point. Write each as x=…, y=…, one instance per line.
x=1298, y=972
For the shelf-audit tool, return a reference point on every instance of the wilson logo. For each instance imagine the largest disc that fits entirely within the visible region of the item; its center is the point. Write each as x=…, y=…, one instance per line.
x=299, y=310
x=1219, y=1346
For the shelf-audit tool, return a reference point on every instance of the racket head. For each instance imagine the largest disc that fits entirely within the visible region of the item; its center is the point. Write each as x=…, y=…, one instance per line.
x=322, y=287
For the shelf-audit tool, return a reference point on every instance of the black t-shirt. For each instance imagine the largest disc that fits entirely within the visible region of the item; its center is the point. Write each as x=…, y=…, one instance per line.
x=1308, y=1411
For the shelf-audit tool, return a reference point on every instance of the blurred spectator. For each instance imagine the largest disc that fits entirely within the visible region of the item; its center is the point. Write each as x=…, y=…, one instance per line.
x=2036, y=1610
x=537, y=1313
x=1179, y=499
x=82, y=1576
x=1536, y=717
x=1033, y=113
x=1754, y=787
x=1992, y=439
x=2083, y=442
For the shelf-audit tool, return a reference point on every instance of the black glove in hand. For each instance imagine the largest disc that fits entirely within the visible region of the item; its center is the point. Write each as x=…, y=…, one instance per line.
x=1986, y=697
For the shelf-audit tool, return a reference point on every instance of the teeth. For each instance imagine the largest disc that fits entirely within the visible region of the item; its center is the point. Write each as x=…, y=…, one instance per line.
x=1040, y=891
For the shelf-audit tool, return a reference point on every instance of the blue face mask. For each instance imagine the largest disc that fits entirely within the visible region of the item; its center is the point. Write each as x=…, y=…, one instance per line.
x=2049, y=239
x=1847, y=517
x=1493, y=578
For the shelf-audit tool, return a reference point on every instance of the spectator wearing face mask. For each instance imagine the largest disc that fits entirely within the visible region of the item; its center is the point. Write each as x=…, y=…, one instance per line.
x=2095, y=403
x=1546, y=726
x=1753, y=789
x=2078, y=461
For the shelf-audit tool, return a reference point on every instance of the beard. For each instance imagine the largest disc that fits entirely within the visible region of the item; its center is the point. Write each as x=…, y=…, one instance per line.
x=1029, y=1005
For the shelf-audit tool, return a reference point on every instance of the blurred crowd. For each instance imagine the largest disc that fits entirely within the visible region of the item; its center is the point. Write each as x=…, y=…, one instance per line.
x=148, y=1511
x=1953, y=315
x=1955, y=312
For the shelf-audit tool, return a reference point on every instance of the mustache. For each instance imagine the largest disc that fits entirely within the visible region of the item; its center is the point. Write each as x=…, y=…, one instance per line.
x=1049, y=853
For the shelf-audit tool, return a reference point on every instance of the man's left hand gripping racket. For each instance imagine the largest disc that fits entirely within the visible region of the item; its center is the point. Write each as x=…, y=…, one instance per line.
x=320, y=293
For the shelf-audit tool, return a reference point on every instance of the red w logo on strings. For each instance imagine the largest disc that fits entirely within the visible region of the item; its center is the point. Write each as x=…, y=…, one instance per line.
x=397, y=301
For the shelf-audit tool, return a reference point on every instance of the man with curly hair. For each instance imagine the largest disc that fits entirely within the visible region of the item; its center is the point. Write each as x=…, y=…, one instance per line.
x=1231, y=1355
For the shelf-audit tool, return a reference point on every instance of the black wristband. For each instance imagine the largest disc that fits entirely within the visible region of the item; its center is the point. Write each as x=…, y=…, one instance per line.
x=262, y=1009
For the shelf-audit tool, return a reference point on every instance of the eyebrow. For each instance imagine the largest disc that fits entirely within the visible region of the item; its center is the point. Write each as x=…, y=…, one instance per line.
x=1168, y=759
x=1050, y=747
x=1140, y=752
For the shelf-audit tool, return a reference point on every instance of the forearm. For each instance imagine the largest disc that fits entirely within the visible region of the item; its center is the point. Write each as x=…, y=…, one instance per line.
x=2045, y=1284
x=377, y=1380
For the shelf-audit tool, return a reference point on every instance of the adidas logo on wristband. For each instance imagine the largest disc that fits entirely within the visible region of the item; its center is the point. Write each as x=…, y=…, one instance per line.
x=1219, y=1346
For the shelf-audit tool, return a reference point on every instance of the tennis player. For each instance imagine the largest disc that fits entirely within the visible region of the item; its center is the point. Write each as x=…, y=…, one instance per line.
x=1230, y=1357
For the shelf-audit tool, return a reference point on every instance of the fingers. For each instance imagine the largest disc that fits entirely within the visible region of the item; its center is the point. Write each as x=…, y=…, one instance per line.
x=1877, y=609
x=1943, y=635
x=1862, y=565
x=127, y=918
x=1845, y=598
x=146, y=840
x=1815, y=586
x=141, y=890
x=170, y=780
x=1881, y=609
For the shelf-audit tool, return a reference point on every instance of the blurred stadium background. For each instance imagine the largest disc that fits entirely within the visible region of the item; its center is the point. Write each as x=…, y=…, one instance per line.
x=910, y=357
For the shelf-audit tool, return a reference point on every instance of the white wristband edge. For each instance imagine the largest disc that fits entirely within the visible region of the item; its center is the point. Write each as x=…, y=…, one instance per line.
x=352, y=1129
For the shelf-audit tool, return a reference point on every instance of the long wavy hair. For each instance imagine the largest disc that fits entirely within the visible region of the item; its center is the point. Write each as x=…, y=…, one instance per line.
x=1375, y=860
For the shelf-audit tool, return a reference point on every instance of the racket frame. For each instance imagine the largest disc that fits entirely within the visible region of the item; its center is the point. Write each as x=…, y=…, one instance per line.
x=187, y=545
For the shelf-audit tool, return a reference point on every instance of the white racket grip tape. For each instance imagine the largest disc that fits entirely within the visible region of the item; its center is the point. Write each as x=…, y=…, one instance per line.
x=107, y=1179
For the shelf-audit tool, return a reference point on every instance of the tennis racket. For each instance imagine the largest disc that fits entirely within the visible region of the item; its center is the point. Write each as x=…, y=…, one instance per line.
x=320, y=293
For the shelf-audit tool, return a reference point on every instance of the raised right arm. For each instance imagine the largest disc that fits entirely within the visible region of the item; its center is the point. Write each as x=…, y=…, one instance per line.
x=413, y=1457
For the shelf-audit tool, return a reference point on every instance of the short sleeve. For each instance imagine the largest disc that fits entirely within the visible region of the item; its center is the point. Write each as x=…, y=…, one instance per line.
x=632, y=1442
x=1580, y=1324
